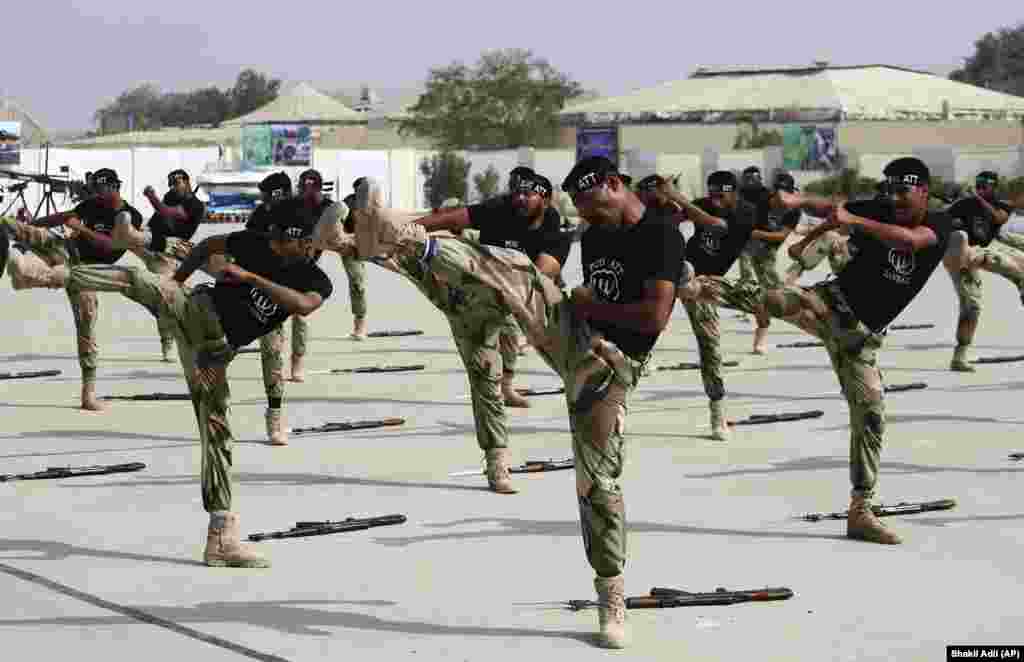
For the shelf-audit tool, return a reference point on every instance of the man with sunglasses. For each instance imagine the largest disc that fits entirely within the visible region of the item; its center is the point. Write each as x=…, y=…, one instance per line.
x=598, y=340
x=773, y=224
x=488, y=343
x=47, y=257
x=269, y=276
x=896, y=244
x=977, y=220
x=176, y=217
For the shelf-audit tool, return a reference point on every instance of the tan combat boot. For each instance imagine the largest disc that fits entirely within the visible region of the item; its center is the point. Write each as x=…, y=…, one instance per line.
x=89, y=400
x=611, y=611
x=861, y=524
x=276, y=432
x=719, y=425
x=959, y=362
x=498, y=477
x=223, y=549
x=510, y=395
x=298, y=369
x=358, y=329
x=167, y=348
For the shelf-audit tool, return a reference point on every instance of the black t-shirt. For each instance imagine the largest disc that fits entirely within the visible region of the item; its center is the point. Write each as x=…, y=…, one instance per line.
x=616, y=263
x=246, y=312
x=969, y=216
x=879, y=282
x=101, y=219
x=499, y=225
x=169, y=227
x=711, y=252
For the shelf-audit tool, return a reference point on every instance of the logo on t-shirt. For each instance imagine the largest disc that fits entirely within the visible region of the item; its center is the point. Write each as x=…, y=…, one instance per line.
x=980, y=225
x=512, y=243
x=606, y=278
x=711, y=243
x=262, y=306
x=901, y=266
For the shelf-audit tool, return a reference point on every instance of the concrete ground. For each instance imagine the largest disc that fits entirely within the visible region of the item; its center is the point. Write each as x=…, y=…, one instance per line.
x=107, y=567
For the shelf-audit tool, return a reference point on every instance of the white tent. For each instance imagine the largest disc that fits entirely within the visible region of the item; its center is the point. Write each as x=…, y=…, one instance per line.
x=301, y=104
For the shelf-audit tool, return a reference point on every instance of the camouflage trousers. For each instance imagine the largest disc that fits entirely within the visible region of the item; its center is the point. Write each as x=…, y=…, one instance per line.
x=704, y=321
x=162, y=265
x=762, y=260
x=36, y=270
x=204, y=353
x=356, y=271
x=1011, y=239
x=598, y=377
x=965, y=274
x=746, y=266
x=272, y=348
x=487, y=341
x=831, y=245
x=822, y=311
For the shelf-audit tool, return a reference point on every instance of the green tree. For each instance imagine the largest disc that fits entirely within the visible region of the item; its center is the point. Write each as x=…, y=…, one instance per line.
x=847, y=183
x=252, y=90
x=755, y=138
x=997, y=62
x=508, y=99
x=446, y=175
x=487, y=183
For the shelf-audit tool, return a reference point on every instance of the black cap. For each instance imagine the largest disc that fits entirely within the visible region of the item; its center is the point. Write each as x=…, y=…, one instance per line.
x=784, y=182
x=175, y=174
x=751, y=176
x=587, y=174
x=518, y=173
x=291, y=221
x=525, y=179
x=277, y=186
x=105, y=177
x=356, y=183
x=721, y=181
x=987, y=178
x=311, y=174
x=626, y=179
x=906, y=172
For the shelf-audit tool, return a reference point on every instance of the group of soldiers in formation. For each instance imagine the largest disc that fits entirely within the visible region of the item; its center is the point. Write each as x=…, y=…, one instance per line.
x=494, y=270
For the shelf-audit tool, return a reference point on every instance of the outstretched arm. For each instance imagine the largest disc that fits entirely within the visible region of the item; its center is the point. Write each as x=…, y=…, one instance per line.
x=295, y=302
x=216, y=245
x=894, y=236
x=649, y=315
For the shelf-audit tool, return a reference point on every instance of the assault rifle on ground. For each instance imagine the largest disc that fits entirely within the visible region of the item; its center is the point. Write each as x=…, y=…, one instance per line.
x=896, y=388
x=686, y=365
x=1000, y=359
x=882, y=510
x=910, y=327
x=377, y=368
x=663, y=598
x=71, y=472
x=393, y=334
x=29, y=375
x=528, y=467
x=541, y=391
x=345, y=426
x=155, y=397
x=1017, y=456
x=759, y=419
x=305, y=529
x=801, y=344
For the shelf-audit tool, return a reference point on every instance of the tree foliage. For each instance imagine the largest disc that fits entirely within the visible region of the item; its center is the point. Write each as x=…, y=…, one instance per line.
x=997, y=62
x=149, y=108
x=755, y=138
x=487, y=183
x=848, y=183
x=446, y=174
x=508, y=99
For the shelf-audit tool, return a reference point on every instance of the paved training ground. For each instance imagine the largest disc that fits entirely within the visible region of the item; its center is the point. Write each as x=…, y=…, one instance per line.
x=108, y=567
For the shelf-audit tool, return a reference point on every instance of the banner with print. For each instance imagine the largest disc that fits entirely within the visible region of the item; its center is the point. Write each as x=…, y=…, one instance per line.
x=256, y=145
x=598, y=141
x=809, y=148
x=292, y=145
x=10, y=143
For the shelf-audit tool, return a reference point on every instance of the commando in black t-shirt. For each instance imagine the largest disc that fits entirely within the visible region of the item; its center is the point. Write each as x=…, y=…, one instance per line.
x=617, y=263
x=101, y=219
x=169, y=227
x=879, y=282
x=246, y=312
x=971, y=217
x=500, y=225
x=713, y=253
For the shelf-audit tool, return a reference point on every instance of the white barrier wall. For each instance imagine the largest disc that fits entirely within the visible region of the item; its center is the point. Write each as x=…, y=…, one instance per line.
x=399, y=170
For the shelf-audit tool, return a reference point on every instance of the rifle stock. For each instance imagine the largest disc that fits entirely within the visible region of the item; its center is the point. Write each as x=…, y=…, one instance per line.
x=29, y=375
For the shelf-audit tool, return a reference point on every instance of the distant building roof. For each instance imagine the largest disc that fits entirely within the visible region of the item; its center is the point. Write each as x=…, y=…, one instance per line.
x=301, y=104
x=820, y=92
x=31, y=130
